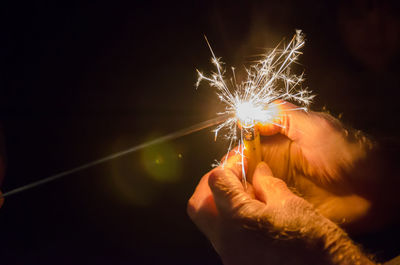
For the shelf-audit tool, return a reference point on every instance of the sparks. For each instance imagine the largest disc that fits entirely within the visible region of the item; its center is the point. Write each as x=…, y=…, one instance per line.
x=249, y=102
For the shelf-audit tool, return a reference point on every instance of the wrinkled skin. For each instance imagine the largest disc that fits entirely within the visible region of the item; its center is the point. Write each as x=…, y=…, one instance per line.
x=228, y=214
x=321, y=162
x=264, y=223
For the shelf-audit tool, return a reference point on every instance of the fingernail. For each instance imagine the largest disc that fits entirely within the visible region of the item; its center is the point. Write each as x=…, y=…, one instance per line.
x=263, y=168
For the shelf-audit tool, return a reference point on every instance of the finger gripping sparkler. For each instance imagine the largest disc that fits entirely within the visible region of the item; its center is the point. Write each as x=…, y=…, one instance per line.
x=252, y=103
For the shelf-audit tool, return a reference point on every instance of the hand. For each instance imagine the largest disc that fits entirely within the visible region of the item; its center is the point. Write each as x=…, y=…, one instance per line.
x=265, y=223
x=314, y=154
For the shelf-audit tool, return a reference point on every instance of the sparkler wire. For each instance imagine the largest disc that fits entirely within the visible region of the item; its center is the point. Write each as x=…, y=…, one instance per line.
x=194, y=128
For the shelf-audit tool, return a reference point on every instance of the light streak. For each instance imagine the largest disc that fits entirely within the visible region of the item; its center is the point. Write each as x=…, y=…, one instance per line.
x=171, y=136
x=250, y=103
x=247, y=104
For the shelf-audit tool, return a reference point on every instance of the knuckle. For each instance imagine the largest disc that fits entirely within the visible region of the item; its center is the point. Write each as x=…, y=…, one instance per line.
x=243, y=208
x=250, y=216
x=215, y=177
x=241, y=212
x=239, y=205
x=278, y=183
x=191, y=209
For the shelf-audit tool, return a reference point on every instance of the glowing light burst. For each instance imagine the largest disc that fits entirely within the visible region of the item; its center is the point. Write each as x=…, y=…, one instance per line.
x=269, y=79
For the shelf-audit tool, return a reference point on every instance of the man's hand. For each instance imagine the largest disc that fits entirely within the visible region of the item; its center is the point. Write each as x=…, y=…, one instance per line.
x=314, y=154
x=265, y=223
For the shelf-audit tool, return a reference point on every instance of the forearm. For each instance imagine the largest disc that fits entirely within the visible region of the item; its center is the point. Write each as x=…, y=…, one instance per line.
x=320, y=239
x=312, y=237
x=337, y=247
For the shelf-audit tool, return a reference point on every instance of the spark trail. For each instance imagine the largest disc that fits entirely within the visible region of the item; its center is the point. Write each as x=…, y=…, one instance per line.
x=192, y=129
x=251, y=102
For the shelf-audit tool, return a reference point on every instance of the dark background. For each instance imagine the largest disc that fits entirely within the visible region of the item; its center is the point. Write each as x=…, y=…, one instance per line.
x=80, y=80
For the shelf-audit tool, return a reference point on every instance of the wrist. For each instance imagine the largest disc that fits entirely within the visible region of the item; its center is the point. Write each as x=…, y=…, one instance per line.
x=334, y=243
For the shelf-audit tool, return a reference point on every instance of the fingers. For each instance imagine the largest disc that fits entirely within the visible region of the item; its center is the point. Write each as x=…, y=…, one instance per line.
x=267, y=188
x=226, y=186
x=274, y=125
x=288, y=120
x=201, y=205
x=201, y=200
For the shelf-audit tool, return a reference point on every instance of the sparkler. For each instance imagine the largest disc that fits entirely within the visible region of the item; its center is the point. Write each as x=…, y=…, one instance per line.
x=250, y=103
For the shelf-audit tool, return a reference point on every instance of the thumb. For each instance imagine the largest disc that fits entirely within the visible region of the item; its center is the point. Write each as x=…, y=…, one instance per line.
x=226, y=187
x=266, y=187
x=260, y=184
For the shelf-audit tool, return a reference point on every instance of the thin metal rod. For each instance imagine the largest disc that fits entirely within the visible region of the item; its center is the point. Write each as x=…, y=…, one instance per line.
x=171, y=136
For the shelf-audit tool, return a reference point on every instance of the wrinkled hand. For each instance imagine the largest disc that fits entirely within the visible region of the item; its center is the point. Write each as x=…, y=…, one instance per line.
x=263, y=224
x=314, y=154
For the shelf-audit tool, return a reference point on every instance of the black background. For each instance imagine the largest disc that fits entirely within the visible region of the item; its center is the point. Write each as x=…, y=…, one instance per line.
x=80, y=80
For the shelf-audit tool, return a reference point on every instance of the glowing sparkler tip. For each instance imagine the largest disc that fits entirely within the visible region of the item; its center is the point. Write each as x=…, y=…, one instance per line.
x=269, y=79
x=248, y=114
x=245, y=113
